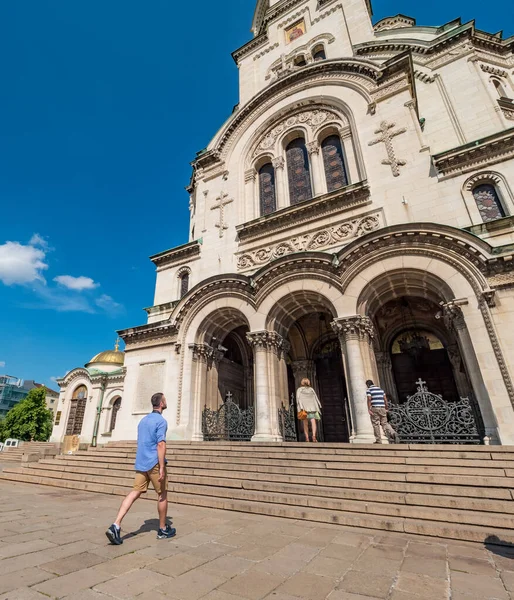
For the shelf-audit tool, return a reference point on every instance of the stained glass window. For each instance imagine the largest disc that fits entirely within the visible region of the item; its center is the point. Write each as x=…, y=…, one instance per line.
x=267, y=189
x=333, y=159
x=319, y=53
x=488, y=202
x=184, y=284
x=298, y=172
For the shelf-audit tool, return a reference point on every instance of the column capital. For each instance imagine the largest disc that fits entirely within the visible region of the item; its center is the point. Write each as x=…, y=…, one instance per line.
x=202, y=352
x=267, y=340
x=302, y=366
x=250, y=175
x=357, y=327
x=453, y=315
x=278, y=162
x=345, y=132
x=313, y=147
x=384, y=360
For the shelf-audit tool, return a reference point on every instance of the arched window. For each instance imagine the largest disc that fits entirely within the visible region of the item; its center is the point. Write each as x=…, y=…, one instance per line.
x=115, y=408
x=184, y=283
x=77, y=410
x=300, y=61
x=319, y=53
x=267, y=189
x=488, y=202
x=333, y=160
x=499, y=88
x=298, y=172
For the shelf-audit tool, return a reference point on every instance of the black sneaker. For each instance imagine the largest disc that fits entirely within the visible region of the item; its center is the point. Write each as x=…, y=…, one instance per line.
x=166, y=533
x=113, y=535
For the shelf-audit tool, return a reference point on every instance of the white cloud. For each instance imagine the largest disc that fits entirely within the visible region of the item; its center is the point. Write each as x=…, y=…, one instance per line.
x=54, y=379
x=78, y=284
x=2, y=363
x=38, y=240
x=20, y=264
x=107, y=304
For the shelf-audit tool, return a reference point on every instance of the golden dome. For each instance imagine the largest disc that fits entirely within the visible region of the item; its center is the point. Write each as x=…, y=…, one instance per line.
x=111, y=357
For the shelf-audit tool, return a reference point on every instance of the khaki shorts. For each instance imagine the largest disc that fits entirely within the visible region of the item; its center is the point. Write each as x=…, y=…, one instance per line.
x=143, y=478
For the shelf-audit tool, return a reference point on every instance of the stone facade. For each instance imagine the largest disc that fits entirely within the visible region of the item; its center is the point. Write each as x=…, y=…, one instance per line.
x=362, y=189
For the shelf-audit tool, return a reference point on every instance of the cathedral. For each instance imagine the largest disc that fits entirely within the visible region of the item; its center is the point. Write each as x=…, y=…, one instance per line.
x=353, y=219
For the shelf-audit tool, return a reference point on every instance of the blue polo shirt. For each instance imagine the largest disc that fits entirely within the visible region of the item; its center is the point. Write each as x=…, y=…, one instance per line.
x=151, y=430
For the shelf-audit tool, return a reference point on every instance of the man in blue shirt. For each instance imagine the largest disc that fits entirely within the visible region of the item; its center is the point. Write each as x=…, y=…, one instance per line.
x=150, y=467
x=377, y=408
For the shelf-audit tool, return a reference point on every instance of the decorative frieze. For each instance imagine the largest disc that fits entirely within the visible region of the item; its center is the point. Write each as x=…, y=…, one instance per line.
x=468, y=157
x=357, y=327
x=315, y=241
x=311, y=118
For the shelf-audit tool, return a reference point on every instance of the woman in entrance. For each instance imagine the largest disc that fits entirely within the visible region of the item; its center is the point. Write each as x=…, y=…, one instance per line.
x=307, y=400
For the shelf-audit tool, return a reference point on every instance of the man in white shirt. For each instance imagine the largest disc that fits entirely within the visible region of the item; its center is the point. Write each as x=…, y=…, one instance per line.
x=377, y=408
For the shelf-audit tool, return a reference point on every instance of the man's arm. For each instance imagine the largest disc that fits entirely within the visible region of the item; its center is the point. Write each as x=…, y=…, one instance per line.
x=161, y=453
x=386, y=402
x=369, y=403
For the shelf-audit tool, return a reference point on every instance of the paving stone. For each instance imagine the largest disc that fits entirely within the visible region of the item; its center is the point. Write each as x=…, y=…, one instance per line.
x=77, y=562
x=177, y=565
x=378, y=566
x=23, y=593
x=211, y=550
x=426, y=550
x=192, y=585
x=227, y=566
x=72, y=583
x=341, y=551
x=27, y=578
x=478, y=585
x=472, y=565
x=340, y=595
x=366, y=584
x=328, y=567
x=196, y=539
x=161, y=550
x=349, y=538
x=508, y=580
x=473, y=551
x=422, y=585
x=123, y=564
x=504, y=563
x=307, y=585
x=378, y=551
x=278, y=565
x=425, y=566
x=7, y=551
x=219, y=595
x=252, y=585
x=255, y=554
x=133, y=583
x=90, y=595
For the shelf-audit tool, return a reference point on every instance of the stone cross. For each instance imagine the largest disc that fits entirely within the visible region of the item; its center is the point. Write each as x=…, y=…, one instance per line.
x=386, y=137
x=222, y=200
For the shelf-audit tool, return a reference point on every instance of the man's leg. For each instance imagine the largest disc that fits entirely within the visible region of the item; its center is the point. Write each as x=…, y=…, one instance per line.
x=125, y=506
x=162, y=509
x=388, y=429
x=375, y=421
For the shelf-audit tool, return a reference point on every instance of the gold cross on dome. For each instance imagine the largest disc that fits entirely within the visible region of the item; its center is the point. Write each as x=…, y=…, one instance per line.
x=222, y=200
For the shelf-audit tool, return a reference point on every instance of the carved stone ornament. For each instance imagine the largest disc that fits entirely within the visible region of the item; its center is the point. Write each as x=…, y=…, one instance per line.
x=453, y=316
x=202, y=352
x=279, y=162
x=386, y=135
x=221, y=201
x=312, y=119
x=354, y=328
x=302, y=366
x=313, y=147
x=266, y=340
x=319, y=240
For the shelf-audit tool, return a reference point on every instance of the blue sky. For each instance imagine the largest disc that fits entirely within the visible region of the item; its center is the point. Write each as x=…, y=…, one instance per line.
x=104, y=104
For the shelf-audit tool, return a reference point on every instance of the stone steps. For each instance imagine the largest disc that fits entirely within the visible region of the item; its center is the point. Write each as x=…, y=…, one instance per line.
x=16, y=454
x=459, y=492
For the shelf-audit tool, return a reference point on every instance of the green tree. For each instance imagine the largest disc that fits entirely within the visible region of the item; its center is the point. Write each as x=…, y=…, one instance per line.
x=30, y=419
x=2, y=428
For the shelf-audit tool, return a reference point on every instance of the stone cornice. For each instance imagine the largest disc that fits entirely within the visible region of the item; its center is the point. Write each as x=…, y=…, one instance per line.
x=347, y=198
x=177, y=255
x=161, y=308
x=249, y=47
x=163, y=332
x=487, y=151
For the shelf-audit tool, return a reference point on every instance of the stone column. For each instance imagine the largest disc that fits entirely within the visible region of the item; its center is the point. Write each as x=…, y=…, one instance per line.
x=318, y=181
x=352, y=332
x=455, y=321
x=461, y=379
x=202, y=355
x=385, y=375
x=266, y=345
x=251, y=199
x=280, y=187
x=352, y=167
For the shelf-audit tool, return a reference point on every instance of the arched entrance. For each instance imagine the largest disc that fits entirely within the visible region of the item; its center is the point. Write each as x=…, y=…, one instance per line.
x=77, y=411
x=235, y=369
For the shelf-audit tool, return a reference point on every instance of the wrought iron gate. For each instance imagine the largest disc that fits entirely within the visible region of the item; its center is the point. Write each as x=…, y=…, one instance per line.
x=228, y=423
x=428, y=419
x=287, y=422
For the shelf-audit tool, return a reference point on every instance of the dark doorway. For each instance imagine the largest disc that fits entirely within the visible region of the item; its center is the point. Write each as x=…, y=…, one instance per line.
x=335, y=423
x=428, y=361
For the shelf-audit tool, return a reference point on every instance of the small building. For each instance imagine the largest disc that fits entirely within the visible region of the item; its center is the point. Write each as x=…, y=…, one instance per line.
x=89, y=401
